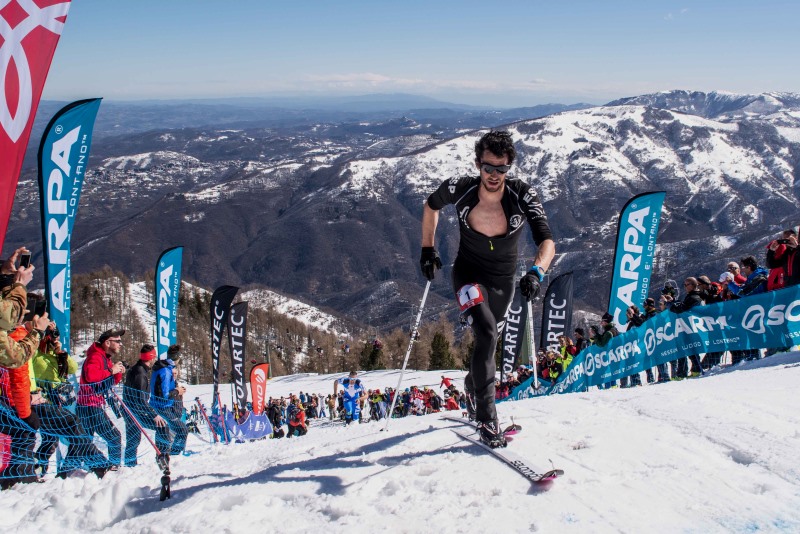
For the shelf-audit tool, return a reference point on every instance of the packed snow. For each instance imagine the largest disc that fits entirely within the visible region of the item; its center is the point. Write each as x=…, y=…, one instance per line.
x=713, y=454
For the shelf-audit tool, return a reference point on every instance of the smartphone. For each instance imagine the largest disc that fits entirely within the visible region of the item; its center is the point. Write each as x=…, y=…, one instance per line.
x=25, y=260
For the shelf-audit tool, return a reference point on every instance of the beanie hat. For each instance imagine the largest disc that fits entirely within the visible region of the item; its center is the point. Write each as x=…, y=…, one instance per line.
x=607, y=317
x=146, y=355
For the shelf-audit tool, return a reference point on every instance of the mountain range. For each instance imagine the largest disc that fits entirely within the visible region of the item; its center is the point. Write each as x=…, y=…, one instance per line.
x=329, y=211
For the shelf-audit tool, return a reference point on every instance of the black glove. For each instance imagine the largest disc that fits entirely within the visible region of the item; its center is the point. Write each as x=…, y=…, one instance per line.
x=529, y=284
x=429, y=261
x=33, y=421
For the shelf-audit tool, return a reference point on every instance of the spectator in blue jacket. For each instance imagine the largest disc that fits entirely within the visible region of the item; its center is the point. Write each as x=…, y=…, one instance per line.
x=166, y=397
x=756, y=278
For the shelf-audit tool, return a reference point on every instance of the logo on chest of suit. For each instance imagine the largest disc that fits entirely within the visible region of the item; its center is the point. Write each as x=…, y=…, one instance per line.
x=463, y=215
x=515, y=221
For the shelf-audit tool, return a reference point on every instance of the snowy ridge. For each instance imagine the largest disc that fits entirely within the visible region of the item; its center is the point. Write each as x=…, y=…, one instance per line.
x=149, y=159
x=305, y=313
x=260, y=298
x=712, y=455
x=578, y=151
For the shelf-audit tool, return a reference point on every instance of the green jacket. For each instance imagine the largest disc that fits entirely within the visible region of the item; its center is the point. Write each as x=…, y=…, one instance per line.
x=45, y=367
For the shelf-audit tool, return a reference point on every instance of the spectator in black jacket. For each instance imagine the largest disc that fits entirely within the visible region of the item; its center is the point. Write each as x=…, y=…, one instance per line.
x=635, y=320
x=135, y=396
x=711, y=293
x=580, y=340
x=693, y=298
x=649, y=307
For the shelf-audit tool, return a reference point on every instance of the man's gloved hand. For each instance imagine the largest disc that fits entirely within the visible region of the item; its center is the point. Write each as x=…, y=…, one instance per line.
x=33, y=421
x=429, y=261
x=529, y=284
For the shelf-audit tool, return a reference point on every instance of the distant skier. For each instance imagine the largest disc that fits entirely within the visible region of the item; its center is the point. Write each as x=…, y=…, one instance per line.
x=491, y=213
x=353, y=390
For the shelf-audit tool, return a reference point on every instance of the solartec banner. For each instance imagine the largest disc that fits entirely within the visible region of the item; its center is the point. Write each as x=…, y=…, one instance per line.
x=768, y=320
x=29, y=33
x=513, y=334
x=63, y=158
x=557, y=311
x=237, y=341
x=220, y=307
x=633, y=257
x=168, y=286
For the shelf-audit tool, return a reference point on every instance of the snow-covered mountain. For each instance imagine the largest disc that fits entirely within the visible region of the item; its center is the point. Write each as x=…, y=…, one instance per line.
x=330, y=213
x=713, y=455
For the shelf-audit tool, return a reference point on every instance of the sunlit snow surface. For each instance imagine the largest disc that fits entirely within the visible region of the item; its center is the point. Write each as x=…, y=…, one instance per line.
x=715, y=454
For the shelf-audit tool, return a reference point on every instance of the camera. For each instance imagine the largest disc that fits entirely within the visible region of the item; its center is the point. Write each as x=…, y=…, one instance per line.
x=783, y=241
x=25, y=260
x=52, y=332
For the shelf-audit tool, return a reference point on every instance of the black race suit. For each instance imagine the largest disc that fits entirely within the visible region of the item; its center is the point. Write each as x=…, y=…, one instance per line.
x=490, y=263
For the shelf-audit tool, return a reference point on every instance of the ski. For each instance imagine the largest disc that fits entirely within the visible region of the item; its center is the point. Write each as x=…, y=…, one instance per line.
x=515, y=461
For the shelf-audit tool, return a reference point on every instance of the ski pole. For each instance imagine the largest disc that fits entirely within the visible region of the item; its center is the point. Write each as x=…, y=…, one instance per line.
x=408, y=353
x=533, y=346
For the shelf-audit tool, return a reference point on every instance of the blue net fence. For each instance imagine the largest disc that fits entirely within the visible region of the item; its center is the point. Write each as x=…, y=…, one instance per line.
x=93, y=427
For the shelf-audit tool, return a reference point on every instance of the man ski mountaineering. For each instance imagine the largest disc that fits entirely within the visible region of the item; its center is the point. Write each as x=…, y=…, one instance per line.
x=353, y=390
x=491, y=211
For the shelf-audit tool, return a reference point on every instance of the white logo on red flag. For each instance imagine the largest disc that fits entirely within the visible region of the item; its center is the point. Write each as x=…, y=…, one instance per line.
x=18, y=19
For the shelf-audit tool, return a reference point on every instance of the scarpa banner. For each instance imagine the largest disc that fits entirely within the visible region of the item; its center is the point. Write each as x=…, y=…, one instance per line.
x=220, y=307
x=258, y=384
x=513, y=334
x=29, y=33
x=768, y=320
x=633, y=257
x=528, y=390
x=557, y=311
x=63, y=158
x=237, y=341
x=168, y=286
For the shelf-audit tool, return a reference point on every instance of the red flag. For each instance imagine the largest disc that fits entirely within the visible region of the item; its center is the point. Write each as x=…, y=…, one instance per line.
x=29, y=32
x=258, y=385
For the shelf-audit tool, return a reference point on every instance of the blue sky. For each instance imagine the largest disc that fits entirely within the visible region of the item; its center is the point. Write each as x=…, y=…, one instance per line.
x=508, y=53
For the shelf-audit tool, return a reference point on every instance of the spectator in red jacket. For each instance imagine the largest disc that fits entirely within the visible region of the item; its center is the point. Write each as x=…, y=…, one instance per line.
x=98, y=376
x=297, y=422
x=783, y=261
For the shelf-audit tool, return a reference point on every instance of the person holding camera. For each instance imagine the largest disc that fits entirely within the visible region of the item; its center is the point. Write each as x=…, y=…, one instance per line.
x=98, y=376
x=51, y=394
x=13, y=303
x=783, y=261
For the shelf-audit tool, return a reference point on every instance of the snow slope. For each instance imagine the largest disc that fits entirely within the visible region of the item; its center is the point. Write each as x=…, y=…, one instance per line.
x=715, y=454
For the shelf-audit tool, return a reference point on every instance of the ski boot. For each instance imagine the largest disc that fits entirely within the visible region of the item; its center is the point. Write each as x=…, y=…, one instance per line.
x=491, y=434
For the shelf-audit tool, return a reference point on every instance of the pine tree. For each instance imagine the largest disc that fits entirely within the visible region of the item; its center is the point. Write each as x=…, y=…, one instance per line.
x=440, y=355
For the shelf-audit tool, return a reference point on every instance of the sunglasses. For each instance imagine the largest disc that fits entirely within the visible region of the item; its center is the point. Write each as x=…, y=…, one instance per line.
x=489, y=169
x=116, y=341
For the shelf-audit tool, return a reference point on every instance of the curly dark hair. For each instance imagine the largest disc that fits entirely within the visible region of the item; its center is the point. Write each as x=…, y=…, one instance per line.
x=499, y=143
